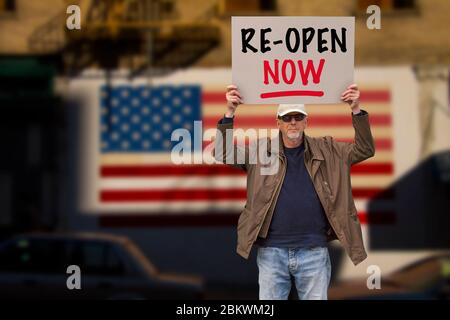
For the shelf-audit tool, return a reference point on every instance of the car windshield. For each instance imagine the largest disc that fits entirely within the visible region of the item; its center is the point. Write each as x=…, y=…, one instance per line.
x=137, y=253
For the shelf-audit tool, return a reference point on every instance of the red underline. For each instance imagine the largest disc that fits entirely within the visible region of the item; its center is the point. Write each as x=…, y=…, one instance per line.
x=292, y=93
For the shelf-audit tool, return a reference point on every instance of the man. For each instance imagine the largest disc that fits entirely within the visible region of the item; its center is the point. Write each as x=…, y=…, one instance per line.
x=292, y=214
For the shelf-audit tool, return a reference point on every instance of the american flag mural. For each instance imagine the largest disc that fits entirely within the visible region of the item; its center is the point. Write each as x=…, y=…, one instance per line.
x=133, y=180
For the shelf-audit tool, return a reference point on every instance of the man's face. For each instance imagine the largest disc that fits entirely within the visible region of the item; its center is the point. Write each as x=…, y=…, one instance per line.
x=293, y=129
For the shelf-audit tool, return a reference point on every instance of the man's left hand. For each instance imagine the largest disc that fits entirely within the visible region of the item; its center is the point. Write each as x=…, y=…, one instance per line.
x=351, y=96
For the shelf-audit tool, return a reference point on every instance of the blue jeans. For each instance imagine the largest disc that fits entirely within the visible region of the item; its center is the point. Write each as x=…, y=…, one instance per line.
x=310, y=267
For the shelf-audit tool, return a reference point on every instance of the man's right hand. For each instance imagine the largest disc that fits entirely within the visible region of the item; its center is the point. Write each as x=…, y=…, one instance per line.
x=234, y=99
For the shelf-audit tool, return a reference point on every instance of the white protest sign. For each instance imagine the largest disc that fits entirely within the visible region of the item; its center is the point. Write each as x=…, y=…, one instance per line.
x=292, y=59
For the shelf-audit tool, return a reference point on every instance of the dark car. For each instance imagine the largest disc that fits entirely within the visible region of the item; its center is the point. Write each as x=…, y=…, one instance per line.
x=427, y=278
x=111, y=267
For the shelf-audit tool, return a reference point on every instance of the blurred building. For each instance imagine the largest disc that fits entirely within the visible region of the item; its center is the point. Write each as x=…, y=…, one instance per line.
x=42, y=142
x=412, y=31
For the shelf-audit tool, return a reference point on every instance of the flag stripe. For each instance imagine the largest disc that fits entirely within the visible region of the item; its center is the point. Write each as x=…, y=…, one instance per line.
x=366, y=96
x=318, y=120
x=338, y=133
x=142, y=158
x=169, y=170
x=205, y=194
x=373, y=168
x=377, y=218
x=174, y=182
x=375, y=96
x=217, y=110
x=172, y=195
x=214, y=182
x=380, y=144
x=381, y=193
x=217, y=170
x=228, y=206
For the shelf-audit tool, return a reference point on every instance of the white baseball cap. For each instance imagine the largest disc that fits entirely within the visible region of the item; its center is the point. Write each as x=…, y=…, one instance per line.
x=287, y=108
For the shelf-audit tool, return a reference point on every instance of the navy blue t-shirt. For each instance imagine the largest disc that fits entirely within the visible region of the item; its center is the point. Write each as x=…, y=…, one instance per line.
x=299, y=219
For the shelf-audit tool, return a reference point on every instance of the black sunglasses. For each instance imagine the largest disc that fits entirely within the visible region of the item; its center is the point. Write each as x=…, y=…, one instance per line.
x=288, y=118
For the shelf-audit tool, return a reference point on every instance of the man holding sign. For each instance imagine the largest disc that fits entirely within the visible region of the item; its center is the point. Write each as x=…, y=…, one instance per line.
x=306, y=201
x=292, y=214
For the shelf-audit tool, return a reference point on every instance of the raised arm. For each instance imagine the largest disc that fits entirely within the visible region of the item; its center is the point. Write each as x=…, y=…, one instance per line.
x=225, y=151
x=363, y=146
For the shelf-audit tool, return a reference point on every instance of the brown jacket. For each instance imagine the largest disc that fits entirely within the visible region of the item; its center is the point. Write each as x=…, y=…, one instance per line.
x=328, y=162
